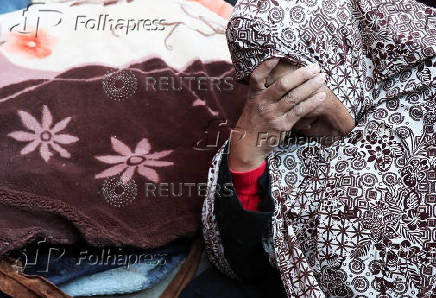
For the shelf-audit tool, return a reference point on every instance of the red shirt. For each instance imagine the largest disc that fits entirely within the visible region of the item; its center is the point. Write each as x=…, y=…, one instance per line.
x=246, y=186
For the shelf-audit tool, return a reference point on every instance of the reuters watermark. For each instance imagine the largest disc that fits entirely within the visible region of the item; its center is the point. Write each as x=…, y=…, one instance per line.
x=118, y=193
x=120, y=85
x=179, y=83
x=185, y=190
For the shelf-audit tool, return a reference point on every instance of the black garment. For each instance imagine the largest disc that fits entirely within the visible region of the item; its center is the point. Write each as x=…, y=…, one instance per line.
x=241, y=230
x=232, y=2
x=431, y=3
x=241, y=233
x=213, y=284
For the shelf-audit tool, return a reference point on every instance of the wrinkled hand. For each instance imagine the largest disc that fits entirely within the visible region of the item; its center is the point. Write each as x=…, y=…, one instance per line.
x=330, y=118
x=273, y=108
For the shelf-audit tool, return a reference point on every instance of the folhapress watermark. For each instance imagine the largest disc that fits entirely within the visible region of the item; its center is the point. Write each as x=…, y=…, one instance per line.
x=104, y=22
x=110, y=256
x=44, y=255
x=37, y=16
x=218, y=131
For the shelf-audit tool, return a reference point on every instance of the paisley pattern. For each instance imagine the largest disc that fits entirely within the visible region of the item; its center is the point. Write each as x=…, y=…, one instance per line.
x=356, y=218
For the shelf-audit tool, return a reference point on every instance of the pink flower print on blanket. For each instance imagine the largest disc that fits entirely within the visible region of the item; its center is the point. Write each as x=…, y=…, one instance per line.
x=42, y=135
x=128, y=162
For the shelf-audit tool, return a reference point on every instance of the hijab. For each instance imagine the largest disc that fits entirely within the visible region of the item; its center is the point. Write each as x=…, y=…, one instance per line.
x=357, y=218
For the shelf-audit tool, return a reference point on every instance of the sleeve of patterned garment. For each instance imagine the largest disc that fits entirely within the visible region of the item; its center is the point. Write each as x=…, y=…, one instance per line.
x=234, y=236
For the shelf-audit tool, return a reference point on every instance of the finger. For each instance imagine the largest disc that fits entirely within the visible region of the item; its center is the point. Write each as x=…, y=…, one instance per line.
x=259, y=75
x=316, y=113
x=290, y=81
x=289, y=119
x=301, y=93
x=334, y=118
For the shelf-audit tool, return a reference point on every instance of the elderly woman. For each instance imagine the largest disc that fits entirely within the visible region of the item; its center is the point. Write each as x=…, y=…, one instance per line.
x=353, y=216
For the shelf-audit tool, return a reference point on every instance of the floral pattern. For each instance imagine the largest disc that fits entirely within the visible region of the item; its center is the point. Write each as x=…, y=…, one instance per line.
x=33, y=45
x=128, y=162
x=358, y=217
x=43, y=134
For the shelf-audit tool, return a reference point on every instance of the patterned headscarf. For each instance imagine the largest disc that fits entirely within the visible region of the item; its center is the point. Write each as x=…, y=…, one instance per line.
x=360, y=44
x=357, y=218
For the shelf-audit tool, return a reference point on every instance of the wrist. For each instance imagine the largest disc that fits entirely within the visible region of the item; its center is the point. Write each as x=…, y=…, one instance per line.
x=245, y=155
x=244, y=165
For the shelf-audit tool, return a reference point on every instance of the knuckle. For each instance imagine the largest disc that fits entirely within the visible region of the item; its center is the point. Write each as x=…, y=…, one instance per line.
x=290, y=99
x=301, y=74
x=299, y=110
x=282, y=85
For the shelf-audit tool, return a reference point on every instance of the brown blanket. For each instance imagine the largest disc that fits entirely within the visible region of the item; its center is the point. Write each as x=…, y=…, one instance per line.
x=115, y=157
x=16, y=284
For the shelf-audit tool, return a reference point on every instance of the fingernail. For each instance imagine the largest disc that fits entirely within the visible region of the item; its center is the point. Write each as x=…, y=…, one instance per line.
x=320, y=96
x=313, y=68
x=320, y=78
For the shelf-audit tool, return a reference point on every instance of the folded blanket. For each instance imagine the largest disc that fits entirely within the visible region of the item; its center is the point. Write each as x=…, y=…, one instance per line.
x=13, y=283
x=11, y=5
x=60, y=264
x=123, y=280
x=107, y=134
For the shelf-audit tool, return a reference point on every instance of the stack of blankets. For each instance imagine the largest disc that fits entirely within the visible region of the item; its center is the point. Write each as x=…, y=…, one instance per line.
x=110, y=114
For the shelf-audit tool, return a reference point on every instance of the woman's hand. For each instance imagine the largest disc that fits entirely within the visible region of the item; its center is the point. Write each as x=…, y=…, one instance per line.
x=329, y=119
x=273, y=107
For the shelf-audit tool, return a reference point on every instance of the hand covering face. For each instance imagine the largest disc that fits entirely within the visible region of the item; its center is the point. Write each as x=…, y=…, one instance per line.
x=360, y=44
x=357, y=218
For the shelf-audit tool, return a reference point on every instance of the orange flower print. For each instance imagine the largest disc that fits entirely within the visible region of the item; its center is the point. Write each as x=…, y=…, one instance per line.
x=36, y=46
